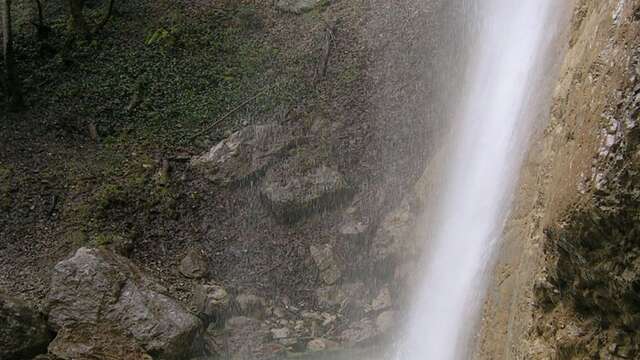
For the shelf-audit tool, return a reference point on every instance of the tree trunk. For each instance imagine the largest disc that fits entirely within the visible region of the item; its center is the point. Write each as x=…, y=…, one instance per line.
x=14, y=93
x=42, y=30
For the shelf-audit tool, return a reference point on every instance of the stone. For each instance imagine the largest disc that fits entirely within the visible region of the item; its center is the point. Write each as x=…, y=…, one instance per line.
x=325, y=260
x=328, y=319
x=194, y=265
x=107, y=343
x=545, y=293
x=291, y=195
x=354, y=226
x=385, y=321
x=280, y=333
x=251, y=305
x=311, y=315
x=382, y=301
x=245, y=155
x=353, y=229
x=278, y=312
x=332, y=296
x=391, y=241
x=298, y=6
x=359, y=333
x=320, y=344
x=211, y=300
x=100, y=290
x=23, y=331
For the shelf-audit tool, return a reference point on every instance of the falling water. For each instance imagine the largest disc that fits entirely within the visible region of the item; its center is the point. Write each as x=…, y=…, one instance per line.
x=490, y=131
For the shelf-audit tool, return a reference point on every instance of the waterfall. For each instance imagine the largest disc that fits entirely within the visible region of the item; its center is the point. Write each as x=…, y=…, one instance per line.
x=490, y=128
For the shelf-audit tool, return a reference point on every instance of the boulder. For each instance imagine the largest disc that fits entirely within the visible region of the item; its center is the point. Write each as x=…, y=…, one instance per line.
x=95, y=290
x=284, y=336
x=23, y=331
x=298, y=6
x=326, y=262
x=194, y=265
x=244, y=155
x=211, y=300
x=290, y=194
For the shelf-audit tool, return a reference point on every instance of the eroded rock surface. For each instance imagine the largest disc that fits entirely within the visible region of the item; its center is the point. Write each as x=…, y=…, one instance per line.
x=96, y=289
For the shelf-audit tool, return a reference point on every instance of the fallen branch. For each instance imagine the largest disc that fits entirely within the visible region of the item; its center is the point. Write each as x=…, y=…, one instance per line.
x=231, y=112
x=321, y=71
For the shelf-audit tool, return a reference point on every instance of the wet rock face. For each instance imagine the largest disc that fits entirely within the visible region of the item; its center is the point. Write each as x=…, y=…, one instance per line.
x=96, y=289
x=290, y=196
x=23, y=331
x=244, y=155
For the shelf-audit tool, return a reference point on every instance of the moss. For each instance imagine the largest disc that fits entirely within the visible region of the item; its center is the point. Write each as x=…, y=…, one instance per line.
x=193, y=67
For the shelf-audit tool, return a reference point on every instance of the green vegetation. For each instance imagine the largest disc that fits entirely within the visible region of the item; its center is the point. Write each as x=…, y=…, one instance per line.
x=187, y=69
x=157, y=74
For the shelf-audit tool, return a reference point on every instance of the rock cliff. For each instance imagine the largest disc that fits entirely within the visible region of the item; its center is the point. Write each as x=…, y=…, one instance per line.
x=566, y=283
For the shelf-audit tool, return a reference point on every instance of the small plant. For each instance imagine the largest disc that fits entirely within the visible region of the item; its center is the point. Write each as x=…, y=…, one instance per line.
x=165, y=38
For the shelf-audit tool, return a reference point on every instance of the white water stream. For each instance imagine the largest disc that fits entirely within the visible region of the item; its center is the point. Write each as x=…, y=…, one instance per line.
x=490, y=134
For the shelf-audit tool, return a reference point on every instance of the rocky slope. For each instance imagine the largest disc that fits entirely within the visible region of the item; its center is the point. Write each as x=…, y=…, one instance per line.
x=283, y=224
x=566, y=284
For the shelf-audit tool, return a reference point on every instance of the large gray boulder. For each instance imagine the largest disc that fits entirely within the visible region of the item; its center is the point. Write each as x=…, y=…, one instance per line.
x=96, y=290
x=290, y=194
x=23, y=331
x=244, y=155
